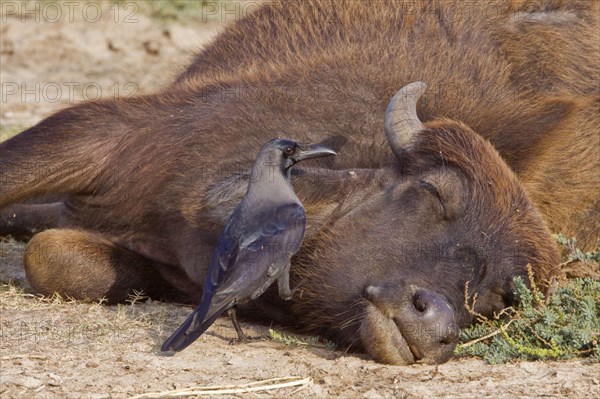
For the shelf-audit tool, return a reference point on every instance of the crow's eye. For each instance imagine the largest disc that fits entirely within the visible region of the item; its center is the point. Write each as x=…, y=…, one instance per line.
x=288, y=150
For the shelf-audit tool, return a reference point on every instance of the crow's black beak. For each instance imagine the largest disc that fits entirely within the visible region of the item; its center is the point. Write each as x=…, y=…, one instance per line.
x=306, y=151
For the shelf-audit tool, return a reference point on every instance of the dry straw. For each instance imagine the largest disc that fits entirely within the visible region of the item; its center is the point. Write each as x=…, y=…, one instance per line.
x=264, y=385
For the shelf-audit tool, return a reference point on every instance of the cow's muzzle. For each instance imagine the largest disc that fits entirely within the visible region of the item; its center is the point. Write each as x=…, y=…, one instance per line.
x=417, y=328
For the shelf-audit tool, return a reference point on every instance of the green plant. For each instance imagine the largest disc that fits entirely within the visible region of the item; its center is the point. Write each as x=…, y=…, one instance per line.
x=575, y=254
x=564, y=325
x=292, y=340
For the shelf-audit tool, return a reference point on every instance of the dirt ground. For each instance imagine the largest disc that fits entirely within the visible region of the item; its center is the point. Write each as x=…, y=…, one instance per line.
x=55, y=348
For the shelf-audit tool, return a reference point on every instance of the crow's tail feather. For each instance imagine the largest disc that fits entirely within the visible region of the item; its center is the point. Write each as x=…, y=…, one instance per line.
x=192, y=328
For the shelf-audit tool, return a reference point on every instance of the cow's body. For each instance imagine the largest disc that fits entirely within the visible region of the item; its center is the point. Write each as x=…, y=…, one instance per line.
x=152, y=179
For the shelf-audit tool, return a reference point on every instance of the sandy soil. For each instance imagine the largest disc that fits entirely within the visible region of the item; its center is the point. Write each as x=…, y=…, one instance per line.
x=54, y=348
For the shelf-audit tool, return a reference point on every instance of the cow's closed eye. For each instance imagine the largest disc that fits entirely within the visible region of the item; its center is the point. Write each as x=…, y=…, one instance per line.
x=435, y=192
x=450, y=190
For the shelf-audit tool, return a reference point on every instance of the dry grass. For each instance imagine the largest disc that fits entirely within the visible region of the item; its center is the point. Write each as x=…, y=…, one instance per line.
x=61, y=320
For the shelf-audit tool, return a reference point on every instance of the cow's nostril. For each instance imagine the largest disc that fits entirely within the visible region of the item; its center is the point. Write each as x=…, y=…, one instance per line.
x=419, y=302
x=447, y=340
x=426, y=321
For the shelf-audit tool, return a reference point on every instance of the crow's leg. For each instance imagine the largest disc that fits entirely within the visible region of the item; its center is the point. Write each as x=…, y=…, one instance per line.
x=231, y=312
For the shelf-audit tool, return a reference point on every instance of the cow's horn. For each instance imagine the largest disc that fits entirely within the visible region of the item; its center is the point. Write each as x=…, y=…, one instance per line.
x=401, y=120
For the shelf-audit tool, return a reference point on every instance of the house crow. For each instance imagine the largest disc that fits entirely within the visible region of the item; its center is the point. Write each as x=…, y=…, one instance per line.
x=257, y=243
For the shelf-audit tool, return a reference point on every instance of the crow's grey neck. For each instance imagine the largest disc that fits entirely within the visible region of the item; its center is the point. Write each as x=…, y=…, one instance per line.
x=269, y=181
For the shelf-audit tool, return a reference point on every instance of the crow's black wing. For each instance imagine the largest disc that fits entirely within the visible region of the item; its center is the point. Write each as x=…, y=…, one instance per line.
x=244, y=264
x=266, y=247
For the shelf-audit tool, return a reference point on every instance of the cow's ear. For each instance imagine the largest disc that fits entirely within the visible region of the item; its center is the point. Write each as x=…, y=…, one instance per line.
x=520, y=135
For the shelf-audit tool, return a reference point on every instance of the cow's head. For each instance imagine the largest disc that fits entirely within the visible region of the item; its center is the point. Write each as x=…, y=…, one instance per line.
x=392, y=270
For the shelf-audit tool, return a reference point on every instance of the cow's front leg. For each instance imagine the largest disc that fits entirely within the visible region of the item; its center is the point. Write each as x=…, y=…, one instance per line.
x=21, y=221
x=86, y=265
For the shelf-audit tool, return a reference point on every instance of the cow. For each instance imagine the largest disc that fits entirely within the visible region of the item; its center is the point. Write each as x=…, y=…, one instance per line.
x=440, y=195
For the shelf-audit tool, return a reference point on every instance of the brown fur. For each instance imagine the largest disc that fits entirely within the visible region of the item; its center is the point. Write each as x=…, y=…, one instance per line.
x=511, y=143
